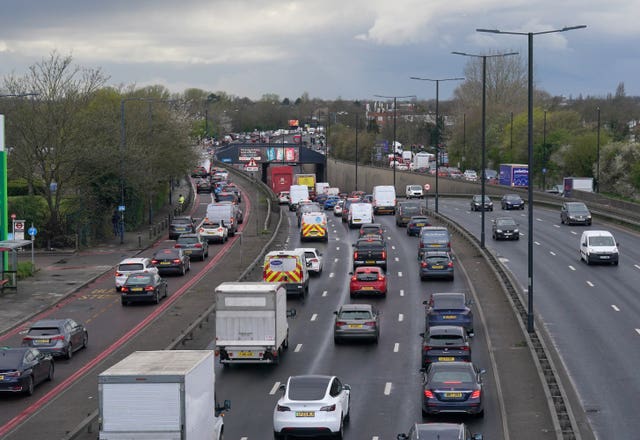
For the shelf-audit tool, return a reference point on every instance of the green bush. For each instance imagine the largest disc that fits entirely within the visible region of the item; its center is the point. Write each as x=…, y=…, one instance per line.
x=25, y=269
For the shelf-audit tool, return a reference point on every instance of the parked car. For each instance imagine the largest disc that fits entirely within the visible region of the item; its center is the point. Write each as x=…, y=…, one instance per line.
x=478, y=205
x=511, y=201
x=312, y=404
x=445, y=343
x=130, y=265
x=439, y=431
x=436, y=264
x=58, y=337
x=452, y=387
x=193, y=245
x=449, y=308
x=575, y=213
x=313, y=258
x=416, y=223
x=171, y=260
x=144, y=287
x=356, y=321
x=368, y=280
x=505, y=228
x=23, y=368
x=181, y=225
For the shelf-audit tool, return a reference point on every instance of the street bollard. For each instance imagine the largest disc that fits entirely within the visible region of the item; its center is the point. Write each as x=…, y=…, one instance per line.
x=150, y=232
x=139, y=241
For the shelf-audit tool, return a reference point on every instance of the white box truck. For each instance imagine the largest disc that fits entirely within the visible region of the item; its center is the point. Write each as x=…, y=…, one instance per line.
x=161, y=395
x=251, y=322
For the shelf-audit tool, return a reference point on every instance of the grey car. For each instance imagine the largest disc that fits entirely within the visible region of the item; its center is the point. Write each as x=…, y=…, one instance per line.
x=478, y=205
x=575, y=213
x=505, y=228
x=436, y=264
x=193, y=245
x=58, y=337
x=356, y=321
x=439, y=431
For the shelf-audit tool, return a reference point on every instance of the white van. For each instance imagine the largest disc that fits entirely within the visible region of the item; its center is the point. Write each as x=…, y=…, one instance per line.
x=598, y=247
x=297, y=193
x=384, y=199
x=223, y=212
x=288, y=267
x=360, y=214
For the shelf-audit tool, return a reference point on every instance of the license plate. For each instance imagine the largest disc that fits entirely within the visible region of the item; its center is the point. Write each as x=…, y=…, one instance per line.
x=604, y=257
x=437, y=267
x=305, y=413
x=245, y=354
x=41, y=341
x=165, y=263
x=355, y=325
x=449, y=317
x=136, y=289
x=187, y=251
x=1, y=377
x=367, y=288
x=371, y=261
x=453, y=395
x=420, y=224
x=446, y=358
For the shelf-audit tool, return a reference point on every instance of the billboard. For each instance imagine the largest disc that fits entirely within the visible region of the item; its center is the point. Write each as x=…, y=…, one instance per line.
x=294, y=123
x=245, y=154
x=282, y=154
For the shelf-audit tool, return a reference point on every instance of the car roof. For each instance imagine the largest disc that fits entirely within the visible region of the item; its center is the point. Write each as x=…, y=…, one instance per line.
x=133, y=260
x=447, y=294
x=446, y=330
x=307, y=249
x=505, y=218
x=310, y=378
x=439, y=428
x=350, y=307
x=371, y=225
x=192, y=234
x=49, y=323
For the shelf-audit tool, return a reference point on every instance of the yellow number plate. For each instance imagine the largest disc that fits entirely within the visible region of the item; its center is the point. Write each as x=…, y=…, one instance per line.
x=437, y=267
x=449, y=317
x=367, y=288
x=420, y=224
x=355, y=325
x=136, y=289
x=446, y=358
x=452, y=395
x=371, y=261
x=165, y=262
x=1, y=377
x=305, y=413
x=244, y=354
x=41, y=341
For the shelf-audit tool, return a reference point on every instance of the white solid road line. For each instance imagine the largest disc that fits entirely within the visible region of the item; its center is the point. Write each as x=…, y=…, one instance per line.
x=387, y=388
x=571, y=267
x=275, y=388
x=590, y=283
x=298, y=348
x=396, y=347
x=314, y=316
x=615, y=307
x=400, y=317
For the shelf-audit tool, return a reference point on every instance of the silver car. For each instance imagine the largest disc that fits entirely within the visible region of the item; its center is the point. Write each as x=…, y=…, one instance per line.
x=356, y=321
x=58, y=337
x=194, y=245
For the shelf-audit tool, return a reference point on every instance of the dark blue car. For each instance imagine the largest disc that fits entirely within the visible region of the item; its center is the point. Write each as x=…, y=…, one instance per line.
x=23, y=368
x=451, y=308
x=331, y=202
x=416, y=223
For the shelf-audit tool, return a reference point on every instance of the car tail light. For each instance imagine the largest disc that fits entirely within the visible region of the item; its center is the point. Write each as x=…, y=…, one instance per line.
x=119, y=274
x=27, y=339
x=370, y=323
x=57, y=338
x=314, y=260
x=176, y=261
x=340, y=324
x=464, y=348
x=380, y=277
x=384, y=255
x=198, y=246
x=148, y=288
x=177, y=245
x=220, y=230
x=421, y=245
x=427, y=348
x=428, y=394
x=423, y=264
x=154, y=261
x=450, y=264
x=475, y=394
x=282, y=408
x=355, y=255
x=328, y=408
x=232, y=220
x=11, y=373
x=354, y=278
x=124, y=289
x=449, y=245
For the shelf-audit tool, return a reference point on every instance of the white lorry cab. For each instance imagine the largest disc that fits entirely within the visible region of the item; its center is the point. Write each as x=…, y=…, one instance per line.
x=360, y=214
x=598, y=247
x=297, y=193
x=384, y=199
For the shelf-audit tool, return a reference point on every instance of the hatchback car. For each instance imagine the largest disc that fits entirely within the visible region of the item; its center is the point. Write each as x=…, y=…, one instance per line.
x=505, y=228
x=478, y=205
x=368, y=280
x=213, y=231
x=181, y=225
x=203, y=186
x=193, y=245
x=511, y=201
x=313, y=258
x=439, y=431
x=337, y=210
x=58, y=337
x=312, y=406
x=445, y=343
x=22, y=368
x=283, y=197
x=331, y=202
x=450, y=308
x=144, y=287
x=130, y=265
x=436, y=264
x=356, y=322
x=575, y=213
x=452, y=387
x=171, y=260
x=371, y=229
x=416, y=223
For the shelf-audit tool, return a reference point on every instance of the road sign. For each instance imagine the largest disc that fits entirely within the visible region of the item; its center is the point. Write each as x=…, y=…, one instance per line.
x=427, y=187
x=251, y=166
x=19, y=226
x=32, y=231
x=13, y=216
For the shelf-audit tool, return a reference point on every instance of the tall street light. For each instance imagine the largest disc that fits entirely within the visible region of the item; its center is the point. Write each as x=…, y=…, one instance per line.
x=483, y=177
x=598, y=154
x=393, y=148
x=357, y=120
x=437, y=81
x=530, y=35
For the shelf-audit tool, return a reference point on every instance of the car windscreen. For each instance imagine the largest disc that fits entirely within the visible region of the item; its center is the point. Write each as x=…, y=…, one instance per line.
x=181, y=221
x=447, y=339
x=435, y=237
x=437, y=259
x=306, y=388
x=366, y=244
x=309, y=255
x=211, y=225
x=415, y=187
x=505, y=222
x=409, y=210
x=601, y=241
x=226, y=197
x=355, y=314
x=419, y=219
x=448, y=303
x=44, y=331
x=138, y=280
x=512, y=198
x=187, y=240
x=10, y=360
x=366, y=275
x=453, y=377
x=167, y=253
x=130, y=267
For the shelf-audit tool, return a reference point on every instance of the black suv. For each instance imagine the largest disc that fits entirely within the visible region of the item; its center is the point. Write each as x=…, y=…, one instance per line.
x=505, y=228
x=370, y=251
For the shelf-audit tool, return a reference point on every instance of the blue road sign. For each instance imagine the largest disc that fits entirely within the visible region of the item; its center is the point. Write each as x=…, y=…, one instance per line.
x=32, y=231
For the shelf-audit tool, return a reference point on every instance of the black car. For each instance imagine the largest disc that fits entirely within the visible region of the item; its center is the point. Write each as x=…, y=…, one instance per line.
x=575, y=213
x=143, y=287
x=511, y=201
x=406, y=210
x=436, y=264
x=445, y=343
x=171, y=260
x=194, y=245
x=505, y=228
x=181, y=225
x=449, y=308
x=371, y=230
x=416, y=223
x=370, y=251
x=21, y=369
x=452, y=387
x=478, y=205
x=227, y=196
x=439, y=431
x=58, y=337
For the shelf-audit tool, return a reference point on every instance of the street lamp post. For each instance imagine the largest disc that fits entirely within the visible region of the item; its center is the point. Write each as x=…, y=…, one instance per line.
x=483, y=177
x=356, y=152
x=511, y=137
x=393, y=147
x=437, y=81
x=598, y=154
x=544, y=151
x=530, y=327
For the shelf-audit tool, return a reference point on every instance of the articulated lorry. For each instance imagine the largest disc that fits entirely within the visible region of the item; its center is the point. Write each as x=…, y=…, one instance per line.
x=161, y=395
x=251, y=322
x=514, y=175
x=279, y=177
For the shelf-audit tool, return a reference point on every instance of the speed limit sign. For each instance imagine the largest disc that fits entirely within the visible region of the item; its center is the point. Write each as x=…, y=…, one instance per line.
x=427, y=187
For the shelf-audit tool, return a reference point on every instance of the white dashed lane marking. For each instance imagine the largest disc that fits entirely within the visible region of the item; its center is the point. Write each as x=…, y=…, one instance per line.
x=324, y=293
x=400, y=317
x=401, y=292
x=638, y=331
x=552, y=253
x=275, y=388
x=331, y=275
x=387, y=388
x=314, y=316
x=298, y=348
x=615, y=307
x=396, y=347
x=399, y=274
x=590, y=283
x=397, y=259
x=571, y=267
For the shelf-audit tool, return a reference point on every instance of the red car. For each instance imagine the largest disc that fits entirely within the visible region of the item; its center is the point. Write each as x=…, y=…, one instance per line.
x=368, y=280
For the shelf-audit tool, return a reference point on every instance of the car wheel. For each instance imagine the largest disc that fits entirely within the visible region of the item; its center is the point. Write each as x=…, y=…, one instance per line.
x=166, y=291
x=336, y=340
x=85, y=340
x=183, y=271
x=480, y=414
x=28, y=390
x=188, y=265
x=124, y=303
x=69, y=353
x=340, y=434
x=50, y=373
x=156, y=298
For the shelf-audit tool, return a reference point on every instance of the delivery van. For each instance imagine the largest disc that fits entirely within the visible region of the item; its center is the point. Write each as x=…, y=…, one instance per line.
x=360, y=214
x=313, y=226
x=297, y=193
x=384, y=199
x=226, y=213
x=288, y=267
x=598, y=247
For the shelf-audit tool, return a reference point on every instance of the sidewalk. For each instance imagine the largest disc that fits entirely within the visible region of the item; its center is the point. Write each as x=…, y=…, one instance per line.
x=61, y=273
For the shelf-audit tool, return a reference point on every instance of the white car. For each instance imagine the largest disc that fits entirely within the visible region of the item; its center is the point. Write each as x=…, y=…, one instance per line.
x=283, y=197
x=412, y=191
x=132, y=265
x=312, y=402
x=313, y=258
x=470, y=175
x=337, y=210
x=213, y=231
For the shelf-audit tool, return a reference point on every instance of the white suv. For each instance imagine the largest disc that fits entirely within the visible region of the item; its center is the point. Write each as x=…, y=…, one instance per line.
x=471, y=176
x=414, y=191
x=132, y=265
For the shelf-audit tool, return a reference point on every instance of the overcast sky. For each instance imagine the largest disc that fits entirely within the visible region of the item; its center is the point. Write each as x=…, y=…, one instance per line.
x=328, y=48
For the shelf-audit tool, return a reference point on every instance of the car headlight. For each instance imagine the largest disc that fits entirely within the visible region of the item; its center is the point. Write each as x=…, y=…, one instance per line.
x=515, y=231
x=499, y=231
